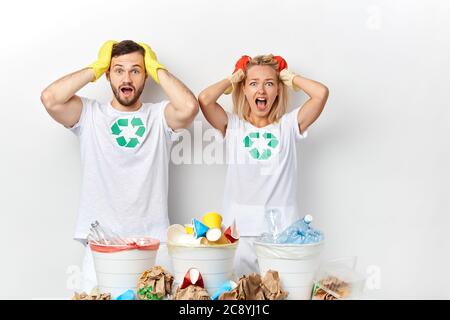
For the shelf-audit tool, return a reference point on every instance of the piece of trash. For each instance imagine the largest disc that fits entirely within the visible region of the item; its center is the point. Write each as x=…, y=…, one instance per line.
x=189, y=228
x=227, y=286
x=299, y=232
x=192, y=276
x=191, y=293
x=94, y=295
x=253, y=287
x=213, y=234
x=232, y=233
x=200, y=229
x=338, y=280
x=198, y=232
x=212, y=220
x=127, y=295
x=99, y=234
x=154, y=284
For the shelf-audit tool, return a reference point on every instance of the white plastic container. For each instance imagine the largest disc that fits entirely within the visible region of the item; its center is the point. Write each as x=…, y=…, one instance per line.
x=118, y=268
x=296, y=265
x=215, y=263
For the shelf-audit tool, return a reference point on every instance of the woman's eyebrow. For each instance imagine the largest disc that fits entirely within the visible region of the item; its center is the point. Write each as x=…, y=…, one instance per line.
x=251, y=79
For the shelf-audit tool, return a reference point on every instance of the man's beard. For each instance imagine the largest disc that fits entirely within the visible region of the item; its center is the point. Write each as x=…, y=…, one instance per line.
x=126, y=102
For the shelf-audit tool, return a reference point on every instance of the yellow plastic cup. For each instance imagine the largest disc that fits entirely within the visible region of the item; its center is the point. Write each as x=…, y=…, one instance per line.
x=212, y=220
x=189, y=228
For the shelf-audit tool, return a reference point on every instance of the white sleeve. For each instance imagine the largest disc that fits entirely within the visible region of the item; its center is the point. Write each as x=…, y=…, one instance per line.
x=170, y=134
x=77, y=128
x=292, y=118
x=233, y=122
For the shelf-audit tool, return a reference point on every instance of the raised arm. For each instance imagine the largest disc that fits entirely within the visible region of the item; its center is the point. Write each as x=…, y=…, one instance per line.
x=59, y=97
x=60, y=100
x=213, y=112
x=318, y=95
x=183, y=106
x=312, y=108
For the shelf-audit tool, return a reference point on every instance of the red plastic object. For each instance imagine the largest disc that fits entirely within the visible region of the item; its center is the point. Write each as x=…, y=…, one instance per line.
x=192, y=276
x=140, y=244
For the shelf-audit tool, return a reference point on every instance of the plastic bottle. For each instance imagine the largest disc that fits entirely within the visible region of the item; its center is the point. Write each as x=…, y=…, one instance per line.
x=98, y=234
x=104, y=235
x=296, y=232
x=273, y=219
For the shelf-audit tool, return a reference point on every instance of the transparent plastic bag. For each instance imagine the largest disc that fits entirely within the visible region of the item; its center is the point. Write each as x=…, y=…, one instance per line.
x=338, y=280
x=273, y=220
x=102, y=235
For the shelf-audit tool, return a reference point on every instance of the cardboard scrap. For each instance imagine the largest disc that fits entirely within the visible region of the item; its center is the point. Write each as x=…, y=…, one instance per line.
x=154, y=284
x=272, y=287
x=94, y=295
x=191, y=292
x=253, y=287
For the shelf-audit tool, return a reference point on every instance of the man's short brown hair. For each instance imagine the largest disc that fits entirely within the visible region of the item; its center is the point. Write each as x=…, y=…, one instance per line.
x=126, y=47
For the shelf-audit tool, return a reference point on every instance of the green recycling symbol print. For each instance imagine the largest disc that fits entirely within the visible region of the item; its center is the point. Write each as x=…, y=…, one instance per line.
x=128, y=132
x=261, y=146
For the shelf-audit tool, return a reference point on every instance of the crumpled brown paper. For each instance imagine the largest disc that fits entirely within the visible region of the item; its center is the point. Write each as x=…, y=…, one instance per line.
x=191, y=292
x=94, y=295
x=272, y=287
x=252, y=287
x=158, y=279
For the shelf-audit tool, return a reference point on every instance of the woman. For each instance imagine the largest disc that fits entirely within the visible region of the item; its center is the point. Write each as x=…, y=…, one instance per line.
x=260, y=138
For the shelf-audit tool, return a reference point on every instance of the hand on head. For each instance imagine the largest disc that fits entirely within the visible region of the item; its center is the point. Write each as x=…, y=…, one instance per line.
x=151, y=62
x=239, y=73
x=101, y=65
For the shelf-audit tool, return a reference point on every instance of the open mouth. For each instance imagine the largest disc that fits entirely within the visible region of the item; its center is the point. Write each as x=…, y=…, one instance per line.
x=261, y=103
x=126, y=91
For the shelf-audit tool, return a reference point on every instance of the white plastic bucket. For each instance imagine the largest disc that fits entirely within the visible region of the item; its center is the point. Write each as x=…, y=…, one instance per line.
x=119, y=271
x=296, y=265
x=215, y=263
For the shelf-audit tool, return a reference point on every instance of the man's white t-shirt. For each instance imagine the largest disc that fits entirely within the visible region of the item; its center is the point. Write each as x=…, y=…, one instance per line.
x=262, y=173
x=124, y=167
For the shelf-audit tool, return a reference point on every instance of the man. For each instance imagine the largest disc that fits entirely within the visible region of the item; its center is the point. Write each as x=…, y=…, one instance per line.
x=124, y=144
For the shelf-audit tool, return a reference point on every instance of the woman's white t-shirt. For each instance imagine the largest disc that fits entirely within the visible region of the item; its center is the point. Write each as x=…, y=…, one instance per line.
x=262, y=173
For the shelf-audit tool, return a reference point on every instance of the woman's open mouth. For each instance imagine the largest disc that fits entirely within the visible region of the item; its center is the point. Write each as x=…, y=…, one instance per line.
x=261, y=103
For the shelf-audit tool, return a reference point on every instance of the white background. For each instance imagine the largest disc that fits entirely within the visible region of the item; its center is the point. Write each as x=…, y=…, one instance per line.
x=374, y=168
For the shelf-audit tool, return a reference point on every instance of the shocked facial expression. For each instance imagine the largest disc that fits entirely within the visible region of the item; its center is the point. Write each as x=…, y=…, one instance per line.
x=127, y=77
x=261, y=89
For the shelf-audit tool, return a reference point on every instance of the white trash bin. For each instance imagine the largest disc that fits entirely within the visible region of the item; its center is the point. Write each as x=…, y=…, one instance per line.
x=296, y=265
x=118, y=267
x=215, y=263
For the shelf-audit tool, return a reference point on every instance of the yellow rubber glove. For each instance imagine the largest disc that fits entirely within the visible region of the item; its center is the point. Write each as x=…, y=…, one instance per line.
x=104, y=59
x=151, y=62
x=235, y=78
x=288, y=79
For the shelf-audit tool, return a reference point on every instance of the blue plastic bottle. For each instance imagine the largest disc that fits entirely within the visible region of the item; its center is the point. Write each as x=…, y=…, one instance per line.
x=297, y=232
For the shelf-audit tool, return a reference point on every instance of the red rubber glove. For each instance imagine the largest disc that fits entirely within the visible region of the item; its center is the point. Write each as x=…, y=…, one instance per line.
x=286, y=76
x=282, y=64
x=238, y=73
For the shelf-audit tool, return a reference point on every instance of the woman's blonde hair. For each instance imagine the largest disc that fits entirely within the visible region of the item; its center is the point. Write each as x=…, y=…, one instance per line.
x=241, y=106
